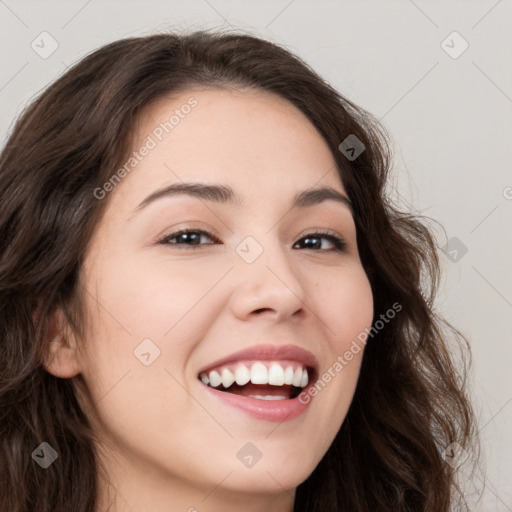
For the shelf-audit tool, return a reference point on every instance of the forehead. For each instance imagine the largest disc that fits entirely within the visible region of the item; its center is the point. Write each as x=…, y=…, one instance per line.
x=257, y=142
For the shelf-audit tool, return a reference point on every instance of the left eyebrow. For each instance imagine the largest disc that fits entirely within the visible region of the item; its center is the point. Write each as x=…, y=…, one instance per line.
x=226, y=195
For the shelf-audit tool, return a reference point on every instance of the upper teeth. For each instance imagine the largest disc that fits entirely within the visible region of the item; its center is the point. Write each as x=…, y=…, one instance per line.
x=257, y=373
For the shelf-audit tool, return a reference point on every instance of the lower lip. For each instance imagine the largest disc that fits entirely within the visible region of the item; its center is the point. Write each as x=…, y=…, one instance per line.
x=268, y=410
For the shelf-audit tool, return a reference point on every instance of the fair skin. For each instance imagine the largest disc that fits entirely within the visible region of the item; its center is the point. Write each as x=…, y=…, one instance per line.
x=166, y=444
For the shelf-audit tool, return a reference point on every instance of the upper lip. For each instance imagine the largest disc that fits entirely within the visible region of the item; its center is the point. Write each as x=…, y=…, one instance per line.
x=268, y=353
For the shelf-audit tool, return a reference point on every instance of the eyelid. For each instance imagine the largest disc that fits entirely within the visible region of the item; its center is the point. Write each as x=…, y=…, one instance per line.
x=322, y=231
x=340, y=243
x=208, y=230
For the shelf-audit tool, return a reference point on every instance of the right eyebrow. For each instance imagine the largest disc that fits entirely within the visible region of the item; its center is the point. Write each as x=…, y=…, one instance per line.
x=224, y=194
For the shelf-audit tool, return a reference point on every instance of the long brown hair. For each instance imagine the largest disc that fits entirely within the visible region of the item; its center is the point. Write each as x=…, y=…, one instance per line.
x=410, y=403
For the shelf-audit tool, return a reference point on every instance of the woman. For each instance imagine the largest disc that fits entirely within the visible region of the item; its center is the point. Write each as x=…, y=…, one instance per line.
x=208, y=302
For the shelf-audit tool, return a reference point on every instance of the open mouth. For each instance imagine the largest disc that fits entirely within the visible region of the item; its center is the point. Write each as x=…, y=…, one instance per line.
x=264, y=380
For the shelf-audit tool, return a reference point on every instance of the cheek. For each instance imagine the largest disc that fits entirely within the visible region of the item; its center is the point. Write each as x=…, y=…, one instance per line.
x=345, y=307
x=154, y=298
x=154, y=308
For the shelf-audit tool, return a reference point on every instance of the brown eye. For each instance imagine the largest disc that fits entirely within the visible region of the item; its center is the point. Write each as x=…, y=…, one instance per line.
x=186, y=237
x=314, y=241
x=191, y=238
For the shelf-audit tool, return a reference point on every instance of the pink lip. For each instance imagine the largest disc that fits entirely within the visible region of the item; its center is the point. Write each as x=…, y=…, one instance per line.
x=268, y=410
x=268, y=353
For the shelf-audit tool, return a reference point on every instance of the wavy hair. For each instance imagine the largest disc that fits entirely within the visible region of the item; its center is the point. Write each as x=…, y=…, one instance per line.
x=411, y=400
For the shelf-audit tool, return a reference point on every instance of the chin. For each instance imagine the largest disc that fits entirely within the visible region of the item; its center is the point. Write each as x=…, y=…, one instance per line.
x=274, y=473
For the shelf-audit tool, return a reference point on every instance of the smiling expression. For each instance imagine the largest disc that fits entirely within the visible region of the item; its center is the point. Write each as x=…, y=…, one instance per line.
x=252, y=271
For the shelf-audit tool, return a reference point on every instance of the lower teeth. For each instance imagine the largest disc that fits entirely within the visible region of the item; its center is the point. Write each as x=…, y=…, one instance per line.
x=268, y=397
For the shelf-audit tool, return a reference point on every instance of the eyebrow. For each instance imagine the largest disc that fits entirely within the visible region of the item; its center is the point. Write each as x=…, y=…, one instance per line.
x=226, y=195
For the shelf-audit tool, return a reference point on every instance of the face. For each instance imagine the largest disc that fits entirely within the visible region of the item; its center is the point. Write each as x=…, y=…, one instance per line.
x=256, y=275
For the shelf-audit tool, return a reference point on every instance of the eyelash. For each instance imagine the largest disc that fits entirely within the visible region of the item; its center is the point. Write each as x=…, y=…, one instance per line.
x=339, y=244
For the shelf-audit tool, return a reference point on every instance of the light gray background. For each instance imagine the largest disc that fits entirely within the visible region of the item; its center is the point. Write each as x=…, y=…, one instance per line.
x=450, y=119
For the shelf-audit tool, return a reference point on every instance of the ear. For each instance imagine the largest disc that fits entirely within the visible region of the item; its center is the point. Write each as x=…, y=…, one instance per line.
x=61, y=349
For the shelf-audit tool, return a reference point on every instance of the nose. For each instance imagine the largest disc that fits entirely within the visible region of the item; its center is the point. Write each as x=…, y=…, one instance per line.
x=269, y=286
